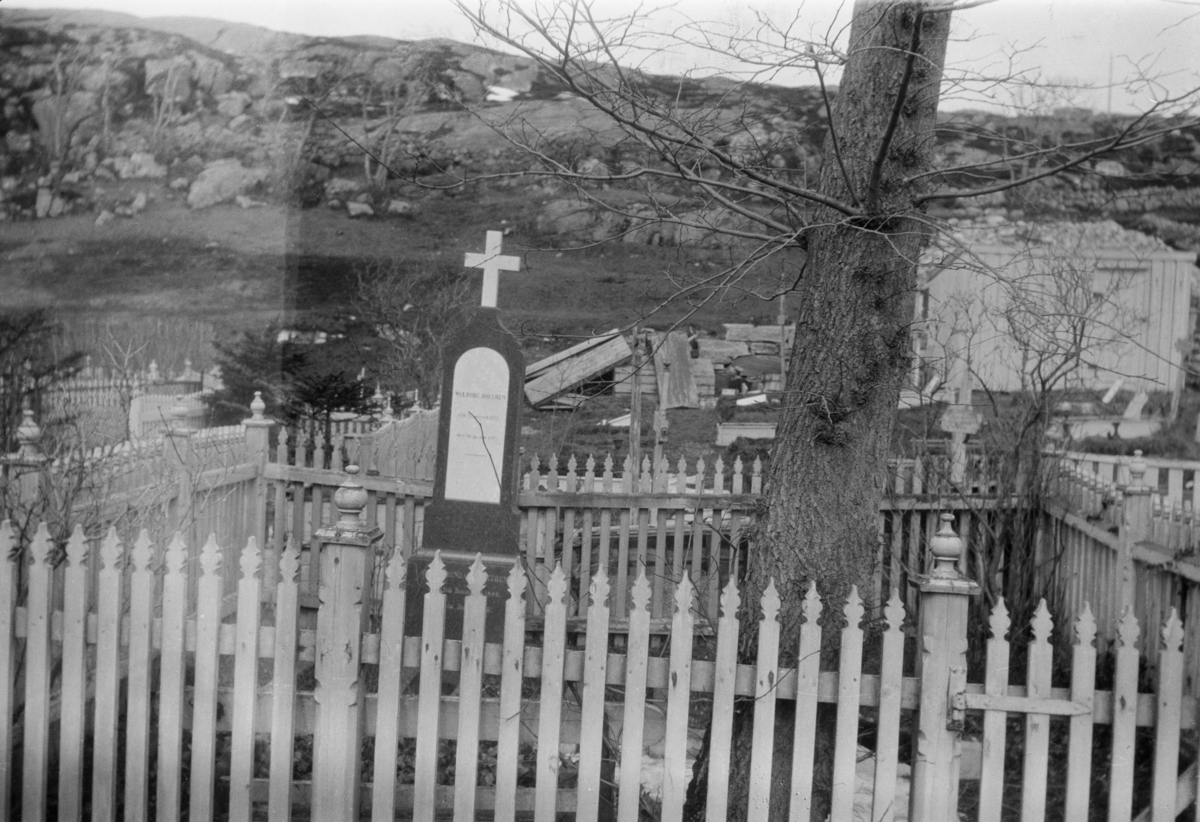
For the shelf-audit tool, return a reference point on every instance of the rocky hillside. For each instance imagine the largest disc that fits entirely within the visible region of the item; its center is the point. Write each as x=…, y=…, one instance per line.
x=223, y=111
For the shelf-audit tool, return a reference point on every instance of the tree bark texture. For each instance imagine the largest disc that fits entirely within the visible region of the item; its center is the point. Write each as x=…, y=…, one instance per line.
x=850, y=356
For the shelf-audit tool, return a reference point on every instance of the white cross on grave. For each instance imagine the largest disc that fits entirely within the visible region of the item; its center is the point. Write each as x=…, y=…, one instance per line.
x=492, y=263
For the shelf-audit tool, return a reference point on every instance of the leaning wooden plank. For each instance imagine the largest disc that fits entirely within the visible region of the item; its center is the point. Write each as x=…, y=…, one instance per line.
x=245, y=676
x=680, y=381
x=74, y=681
x=391, y=689
x=508, y=735
x=172, y=664
x=1167, y=722
x=39, y=590
x=676, y=773
x=564, y=375
x=137, y=707
x=554, y=646
x=766, y=674
x=891, y=682
x=1124, y=725
x=204, y=691
x=808, y=678
x=636, y=657
x=545, y=364
x=1037, y=726
x=1083, y=688
x=591, y=723
x=470, y=694
x=8, y=610
x=283, y=684
x=432, y=632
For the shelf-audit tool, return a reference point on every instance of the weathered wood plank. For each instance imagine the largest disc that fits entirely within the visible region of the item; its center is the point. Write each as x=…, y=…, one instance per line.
x=766, y=677
x=8, y=652
x=137, y=706
x=470, y=690
x=554, y=641
x=845, y=751
x=1166, y=733
x=630, y=786
x=38, y=604
x=74, y=680
x=172, y=666
x=559, y=377
x=245, y=676
x=1120, y=791
x=283, y=683
x=433, y=625
x=808, y=683
x=1034, y=773
x=891, y=683
x=508, y=734
x=108, y=680
x=592, y=719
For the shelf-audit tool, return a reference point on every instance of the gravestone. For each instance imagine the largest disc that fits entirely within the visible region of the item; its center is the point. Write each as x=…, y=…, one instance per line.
x=959, y=421
x=474, y=504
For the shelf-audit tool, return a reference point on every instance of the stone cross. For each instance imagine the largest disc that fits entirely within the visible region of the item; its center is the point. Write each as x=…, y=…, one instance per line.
x=492, y=264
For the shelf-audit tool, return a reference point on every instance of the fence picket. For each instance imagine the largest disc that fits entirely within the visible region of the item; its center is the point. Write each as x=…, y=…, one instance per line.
x=432, y=632
x=391, y=690
x=808, y=676
x=1083, y=687
x=204, y=691
x=470, y=694
x=245, y=677
x=845, y=752
x=1037, y=726
x=725, y=680
x=991, y=779
x=636, y=663
x=74, y=680
x=283, y=684
x=38, y=602
x=676, y=774
x=508, y=735
x=1124, y=699
x=765, y=681
x=172, y=665
x=8, y=668
x=592, y=719
x=891, y=684
x=1168, y=721
x=554, y=643
x=137, y=706
x=108, y=680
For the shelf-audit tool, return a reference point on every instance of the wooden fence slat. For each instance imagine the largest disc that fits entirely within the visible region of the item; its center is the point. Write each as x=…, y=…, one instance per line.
x=632, y=734
x=592, y=718
x=1168, y=720
x=661, y=578
x=554, y=643
x=204, y=690
x=622, y=602
x=808, y=675
x=391, y=690
x=891, y=683
x=245, y=683
x=8, y=646
x=108, y=680
x=676, y=773
x=38, y=603
x=283, y=683
x=74, y=680
x=724, y=679
x=508, y=734
x=172, y=664
x=991, y=779
x=1036, y=762
x=470, y=694
x=432, y=632
x=1083, y=687
x=766, y=675
x=845, y=751
x=1124, y=699
x=137, y=706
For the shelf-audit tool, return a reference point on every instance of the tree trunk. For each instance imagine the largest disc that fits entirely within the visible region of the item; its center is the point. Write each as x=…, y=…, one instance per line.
x=850, y=355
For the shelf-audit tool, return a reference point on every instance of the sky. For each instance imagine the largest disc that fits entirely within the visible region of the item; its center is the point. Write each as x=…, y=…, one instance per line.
x=1078, y=44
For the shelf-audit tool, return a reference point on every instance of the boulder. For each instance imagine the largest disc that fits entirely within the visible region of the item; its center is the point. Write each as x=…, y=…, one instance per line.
x=105, y=217
x=360, y=210
x=239, y=122
x=401, y=208
x=221, y=181
x=139, y=202
x=342, y=188
x=41, y=208
x=233, y=104
x=140, y=165
x=180, y=183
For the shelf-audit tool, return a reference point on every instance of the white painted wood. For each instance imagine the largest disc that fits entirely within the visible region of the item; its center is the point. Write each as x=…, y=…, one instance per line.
x=554, y=641
x=169, y=787
x=725, y=677
x=470, y=692
x=429, y=705
x=1168, y=721
x=1124, y=701
x=8, y=612
x=676, y=773
x=845, y=752
x=808, y=673
x=137, y=706
x=1083, y=687
x=891, y=683
x=108, y=680
x=283, y=685
x=245, y=679
x=766, y=678
x=512, y=670
x=1037, y=726
x=204, y=690
x=391, y=690
x=636, y=658
x=73, y=723
x=591, y=723
x=38, y=603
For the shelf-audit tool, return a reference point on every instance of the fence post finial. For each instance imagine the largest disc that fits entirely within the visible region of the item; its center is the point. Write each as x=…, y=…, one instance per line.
x=29, y=438
x=347, y=557
x=942, y=669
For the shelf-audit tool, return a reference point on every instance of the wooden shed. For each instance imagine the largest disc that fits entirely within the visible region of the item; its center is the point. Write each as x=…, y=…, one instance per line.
x=1094, y=303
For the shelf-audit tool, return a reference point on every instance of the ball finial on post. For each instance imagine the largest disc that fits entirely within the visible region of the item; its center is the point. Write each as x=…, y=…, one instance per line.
x=257, y=406
x=946, y=547
x=350, y=499
x=1137, y=470
x=29, y=437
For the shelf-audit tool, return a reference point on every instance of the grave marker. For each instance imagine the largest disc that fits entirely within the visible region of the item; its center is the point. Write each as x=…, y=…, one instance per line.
x=474, y=504
x=959, y=420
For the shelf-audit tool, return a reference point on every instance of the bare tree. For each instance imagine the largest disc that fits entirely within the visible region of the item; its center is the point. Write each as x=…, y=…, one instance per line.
x=853, y=237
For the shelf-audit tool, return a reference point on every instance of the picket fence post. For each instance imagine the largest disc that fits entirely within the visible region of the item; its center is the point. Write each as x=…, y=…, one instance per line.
x=258, y=443
x=942, y=669
x=346, y=562
x=1138, y=512
x=28, y=467
x=177, y=447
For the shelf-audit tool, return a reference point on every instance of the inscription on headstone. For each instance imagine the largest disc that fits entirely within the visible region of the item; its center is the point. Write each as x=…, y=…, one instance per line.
x=478, y=418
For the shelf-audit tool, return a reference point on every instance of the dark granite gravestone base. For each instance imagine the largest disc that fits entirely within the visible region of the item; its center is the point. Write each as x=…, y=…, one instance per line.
x=458, y=564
